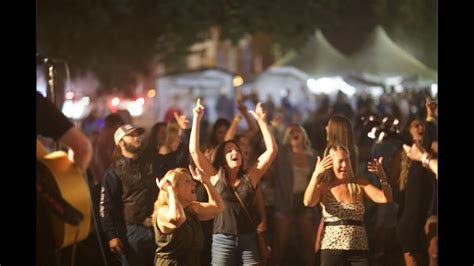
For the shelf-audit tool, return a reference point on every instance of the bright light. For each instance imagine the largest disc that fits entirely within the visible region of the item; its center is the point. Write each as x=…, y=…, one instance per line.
x=151, y=93
x=238, y=80
x=346, y=88
x=393, y=80
x=140, y=101
x=312, y=84
x=398, y=88
x=330, y=85
x=135, y=109
x=434, y=89
x=322, y=85
x=86, y=100
x=372, y=133
x=73, y=110
x=115, y=101
x=376, y=92
x=69, y=95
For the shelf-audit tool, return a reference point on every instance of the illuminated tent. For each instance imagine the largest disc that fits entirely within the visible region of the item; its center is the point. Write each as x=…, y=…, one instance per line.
x=317, y=59
x=382, y=61
x=185, y=87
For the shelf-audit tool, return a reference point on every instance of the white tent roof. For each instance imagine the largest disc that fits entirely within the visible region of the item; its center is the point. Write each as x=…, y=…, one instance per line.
x=318, y=58
x=380, y=56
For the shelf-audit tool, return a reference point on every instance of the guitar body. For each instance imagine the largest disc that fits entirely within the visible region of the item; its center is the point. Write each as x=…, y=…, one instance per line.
x=61, y=175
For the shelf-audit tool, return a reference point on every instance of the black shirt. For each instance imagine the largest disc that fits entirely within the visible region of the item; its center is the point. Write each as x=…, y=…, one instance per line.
x=50, y=122
x=127, y=196
x=234, y=220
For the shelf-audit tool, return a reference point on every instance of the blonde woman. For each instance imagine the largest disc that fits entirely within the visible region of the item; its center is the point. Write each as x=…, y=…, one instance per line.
x=176, y=216
x=293, y=168
x=340, y=193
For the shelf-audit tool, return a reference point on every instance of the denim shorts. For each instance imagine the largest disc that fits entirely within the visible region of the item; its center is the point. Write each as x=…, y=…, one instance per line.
x=235, y=250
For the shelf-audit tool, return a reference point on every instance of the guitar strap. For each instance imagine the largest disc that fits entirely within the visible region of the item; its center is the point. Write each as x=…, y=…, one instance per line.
x=53, y=201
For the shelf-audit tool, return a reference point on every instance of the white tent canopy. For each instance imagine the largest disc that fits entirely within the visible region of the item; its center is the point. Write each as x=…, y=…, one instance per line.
x=380, y=57
x=318, y=58
x=186, y=87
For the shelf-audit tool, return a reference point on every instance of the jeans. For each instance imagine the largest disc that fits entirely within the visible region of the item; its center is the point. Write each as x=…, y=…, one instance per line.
x=233, y=250
x=344, y=257
x=139, y=246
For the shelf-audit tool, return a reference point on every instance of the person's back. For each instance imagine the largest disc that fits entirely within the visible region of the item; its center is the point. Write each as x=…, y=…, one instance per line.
x=184, y=244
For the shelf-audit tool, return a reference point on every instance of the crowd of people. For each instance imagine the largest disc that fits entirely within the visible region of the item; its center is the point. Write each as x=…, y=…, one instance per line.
x=319, y=189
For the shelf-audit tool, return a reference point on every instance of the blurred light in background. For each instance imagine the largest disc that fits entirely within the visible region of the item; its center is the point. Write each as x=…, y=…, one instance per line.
x=398, y=88
x=86, y=100
x=140, y=101
x=74, y=110
x=238, y=80
x=330, y=85
x=392, y=81
x=434, y=90
x=376, y=91
x=69, y=95
x=135, y=108
x=151, y=93
x=115, y=101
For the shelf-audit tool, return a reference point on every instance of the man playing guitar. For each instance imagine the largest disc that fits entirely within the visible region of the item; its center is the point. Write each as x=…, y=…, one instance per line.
x=51, y=122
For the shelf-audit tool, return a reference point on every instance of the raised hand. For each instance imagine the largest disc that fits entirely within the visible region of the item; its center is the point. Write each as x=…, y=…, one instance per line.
x=430, y=107
x=415, y=152
x=198, y=111
x=242, y=107
x=182, y=120
x=163, y=184
x=259, y=112
x=198, y=174
x=325, y=164
x=376, y=167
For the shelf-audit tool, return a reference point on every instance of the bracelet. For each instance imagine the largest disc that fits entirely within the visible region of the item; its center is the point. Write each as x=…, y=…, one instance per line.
x=426, y=161
x=429, y=118
x=383, y=182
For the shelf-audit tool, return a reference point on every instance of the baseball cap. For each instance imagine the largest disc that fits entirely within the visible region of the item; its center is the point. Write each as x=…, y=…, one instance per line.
x=125, y=130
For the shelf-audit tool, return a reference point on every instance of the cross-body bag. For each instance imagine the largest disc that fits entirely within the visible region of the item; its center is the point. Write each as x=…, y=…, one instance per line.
x=263, y=244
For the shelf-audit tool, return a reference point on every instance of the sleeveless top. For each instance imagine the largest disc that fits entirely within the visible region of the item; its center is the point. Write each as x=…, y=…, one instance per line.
x=183, y=246
x=343, y=237
x=234, y=220
x=300, y=178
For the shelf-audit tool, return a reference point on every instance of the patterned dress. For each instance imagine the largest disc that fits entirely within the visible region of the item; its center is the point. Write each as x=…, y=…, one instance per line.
x=343, y=236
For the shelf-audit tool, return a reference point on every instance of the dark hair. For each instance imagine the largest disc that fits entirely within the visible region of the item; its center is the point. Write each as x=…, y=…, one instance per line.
x=406, y=135
x=219, y=158
x=151, y=145
x=112, y=119
x=219, y=122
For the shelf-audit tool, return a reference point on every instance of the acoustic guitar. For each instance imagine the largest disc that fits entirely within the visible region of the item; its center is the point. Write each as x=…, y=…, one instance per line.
x=60, y=175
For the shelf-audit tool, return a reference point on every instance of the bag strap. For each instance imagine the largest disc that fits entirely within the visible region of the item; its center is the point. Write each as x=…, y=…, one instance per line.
x=242, y=204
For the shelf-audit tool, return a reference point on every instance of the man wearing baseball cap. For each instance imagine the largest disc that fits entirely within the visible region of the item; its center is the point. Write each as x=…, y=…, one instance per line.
x=127, y=196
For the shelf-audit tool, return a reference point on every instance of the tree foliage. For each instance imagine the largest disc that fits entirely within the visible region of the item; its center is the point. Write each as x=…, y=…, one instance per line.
x=116, y=38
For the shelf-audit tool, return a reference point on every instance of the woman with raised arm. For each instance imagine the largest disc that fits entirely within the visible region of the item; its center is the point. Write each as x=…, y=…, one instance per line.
x=176, y=216
x=234, y=235
x=340, y=193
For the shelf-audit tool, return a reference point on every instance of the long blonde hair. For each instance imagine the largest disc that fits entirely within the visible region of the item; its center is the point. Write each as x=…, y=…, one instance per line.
x=329, y=176
x=174, y=176
x=306, y=142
